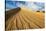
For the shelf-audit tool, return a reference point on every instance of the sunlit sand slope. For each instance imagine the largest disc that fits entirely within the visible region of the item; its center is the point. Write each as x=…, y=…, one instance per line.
x=25, y=19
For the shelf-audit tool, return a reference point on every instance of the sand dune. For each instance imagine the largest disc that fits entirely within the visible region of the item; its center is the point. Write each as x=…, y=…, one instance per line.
x=25, y=19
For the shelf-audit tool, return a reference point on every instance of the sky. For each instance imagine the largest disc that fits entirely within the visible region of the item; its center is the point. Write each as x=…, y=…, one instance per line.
x=32, y=5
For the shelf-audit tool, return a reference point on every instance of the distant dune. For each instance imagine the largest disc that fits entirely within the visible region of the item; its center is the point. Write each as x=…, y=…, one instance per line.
x=24, y=19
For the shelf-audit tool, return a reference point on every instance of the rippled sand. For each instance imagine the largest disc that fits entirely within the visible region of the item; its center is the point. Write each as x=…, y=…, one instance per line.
x=25, y=19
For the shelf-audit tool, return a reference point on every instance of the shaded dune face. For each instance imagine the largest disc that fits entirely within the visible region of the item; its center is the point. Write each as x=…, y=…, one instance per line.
x=19, y=19
x=12, y=12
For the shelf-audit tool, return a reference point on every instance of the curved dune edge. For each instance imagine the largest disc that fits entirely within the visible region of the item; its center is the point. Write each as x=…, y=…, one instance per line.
x=25, y=19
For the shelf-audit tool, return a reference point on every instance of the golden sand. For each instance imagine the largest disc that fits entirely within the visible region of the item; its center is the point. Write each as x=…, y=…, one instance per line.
x=25, y=19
